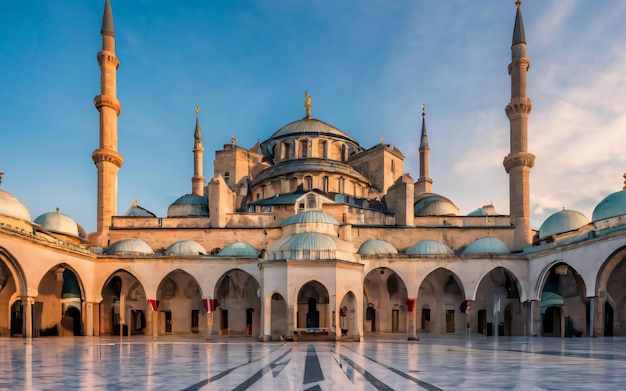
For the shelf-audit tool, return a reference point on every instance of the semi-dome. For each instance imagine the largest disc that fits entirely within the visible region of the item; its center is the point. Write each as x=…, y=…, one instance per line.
x=12, y=207
x=310, y=216
x=310, y=126
x=376, y=247
x=429, y=247
x=189, y=205
x=239, y=249
x=431, y=204
x=186, y=247
x=562, y=221
x=612, y=205
x=129, y=247
x=57, y=222
x=487, y=245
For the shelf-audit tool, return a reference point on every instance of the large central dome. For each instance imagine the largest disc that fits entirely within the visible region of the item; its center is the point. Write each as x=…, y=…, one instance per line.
x=310, y=127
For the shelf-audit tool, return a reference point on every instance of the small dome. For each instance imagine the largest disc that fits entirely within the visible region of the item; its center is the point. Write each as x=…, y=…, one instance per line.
x=429, y=247
x=12, y=207
x=137, y=211
x=561, y=222
x=612, y=206
x=186, y=247
x=487, y=245
x=478, y=212
x=189, y=205
x=305, y=241
x=430, y=204
x=57, y=222
x=376, y=247
x=239, y=249
x=129, y=247
x=310, y=216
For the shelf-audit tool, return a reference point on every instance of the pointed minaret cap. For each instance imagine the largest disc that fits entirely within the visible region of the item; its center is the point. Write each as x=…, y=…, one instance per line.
x=518, y=32
x=424, y=139
x=107, y=20
x=197, y=135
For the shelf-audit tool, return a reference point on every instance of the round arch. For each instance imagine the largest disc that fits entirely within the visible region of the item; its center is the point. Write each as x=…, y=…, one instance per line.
x=16, y=270
x=313, y=306
x=124, y=305
x=275, y=317
x=12, y=290
x=610, y=296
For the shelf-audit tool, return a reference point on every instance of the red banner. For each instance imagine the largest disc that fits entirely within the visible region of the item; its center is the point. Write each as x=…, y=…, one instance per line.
x=154, y=304
x=410, y=304
x=209, y=305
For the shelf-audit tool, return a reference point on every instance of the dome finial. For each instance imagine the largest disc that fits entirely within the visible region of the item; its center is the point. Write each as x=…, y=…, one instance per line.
x=518, y=4
x=307, y=103
x=197, y=110
x=622, y=188
x=2, y=173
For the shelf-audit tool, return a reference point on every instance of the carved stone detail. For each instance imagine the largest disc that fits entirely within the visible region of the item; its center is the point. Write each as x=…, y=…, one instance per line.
x=107, y=155
x=108, y=58
x=519, y=62
x=515, y=109
x=109, y=101
x=518, y=159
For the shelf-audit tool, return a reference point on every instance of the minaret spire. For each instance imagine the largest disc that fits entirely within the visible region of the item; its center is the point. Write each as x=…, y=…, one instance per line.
x=424, y=184
x=107, y=158
x=519, y=161
x=197, y=181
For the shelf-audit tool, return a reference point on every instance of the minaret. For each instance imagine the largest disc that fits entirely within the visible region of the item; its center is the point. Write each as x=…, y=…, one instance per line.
x=519, y=162
x=197, y=181
x=106, y=158
x=424, y=184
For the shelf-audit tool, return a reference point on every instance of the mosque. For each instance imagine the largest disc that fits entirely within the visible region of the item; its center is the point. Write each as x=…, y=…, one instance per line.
x=309, y=235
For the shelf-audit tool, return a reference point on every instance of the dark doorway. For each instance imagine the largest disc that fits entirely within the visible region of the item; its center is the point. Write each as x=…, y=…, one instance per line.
x=395, y=320
x=195, y=314
x=426, y=319
x=168, y=321
x=249, y=312
x=17, y=319
x=74, y=313
x=608, y=320
x=482, y=322
x=449, y=321
x=313, y=316
x=552, y=322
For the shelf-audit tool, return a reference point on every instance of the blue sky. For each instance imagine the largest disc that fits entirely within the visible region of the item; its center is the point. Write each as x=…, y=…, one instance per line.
x=369, y=65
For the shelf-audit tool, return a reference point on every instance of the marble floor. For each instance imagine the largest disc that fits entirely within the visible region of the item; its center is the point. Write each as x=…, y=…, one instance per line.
x=381, y=363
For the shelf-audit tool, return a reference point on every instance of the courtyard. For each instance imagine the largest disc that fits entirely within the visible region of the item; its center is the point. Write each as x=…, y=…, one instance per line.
x=437, y=362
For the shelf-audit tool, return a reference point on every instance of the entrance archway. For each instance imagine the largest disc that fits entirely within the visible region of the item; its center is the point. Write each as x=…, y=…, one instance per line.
x=497, y=309
x=239, y=305
x=124, y=307
x=348, y=316
x=611, y=296
x=385, y=301
x=313, y=307
x=180, y=304
x=58, y=307
x=278, y=317
x=440, y=301
x=564, y=290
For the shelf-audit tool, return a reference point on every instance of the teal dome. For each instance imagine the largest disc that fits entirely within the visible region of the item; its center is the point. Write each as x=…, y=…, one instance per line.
x=376, y=247
x=430, y=204
x=186, y=247
x=310, y=216
x=487, y=245
x=561, y=222
x=239, y=249
x=478, y=212
x=129, y=247
x=12, y=207
x=429, y=247
x=305, y=241
x=612, y=206
x=310, y=127
x=57, y=222
x=189, y=205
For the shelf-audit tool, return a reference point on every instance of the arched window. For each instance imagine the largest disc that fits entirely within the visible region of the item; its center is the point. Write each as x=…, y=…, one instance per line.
x=325, y=184
x=226, y=177
x=322, y=150
x=311, y=201
x=308, y=182
x=304, y=148
x=293, y=184
x=286, y=151
x=341, y=183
